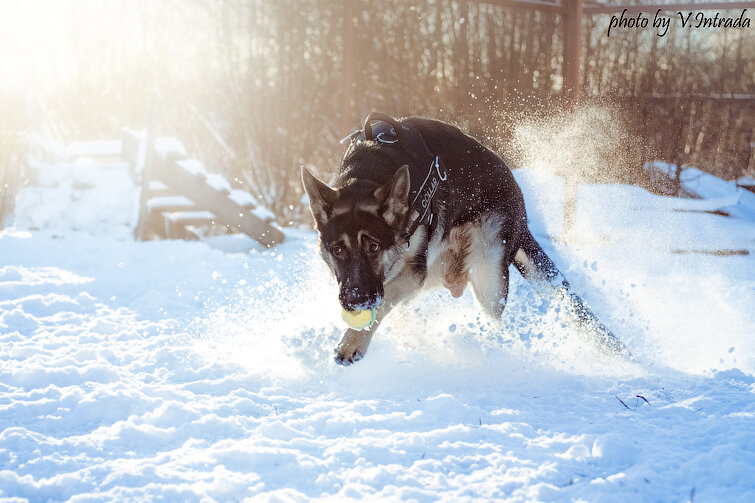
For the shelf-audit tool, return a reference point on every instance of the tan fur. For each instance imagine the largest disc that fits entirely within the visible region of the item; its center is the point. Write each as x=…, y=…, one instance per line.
x=319, y=195
x=396, y=260
x=394, y=196
x=394, y=212
x=341, y=208
x=454, y=261
x=345, y=207
x=471, y=253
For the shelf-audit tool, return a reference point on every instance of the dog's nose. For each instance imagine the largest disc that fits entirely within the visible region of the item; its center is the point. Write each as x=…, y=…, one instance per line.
x=353, y=299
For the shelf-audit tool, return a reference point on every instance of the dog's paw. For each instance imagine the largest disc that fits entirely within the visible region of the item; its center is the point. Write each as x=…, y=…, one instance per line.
x=352, y=347
x=345, y=360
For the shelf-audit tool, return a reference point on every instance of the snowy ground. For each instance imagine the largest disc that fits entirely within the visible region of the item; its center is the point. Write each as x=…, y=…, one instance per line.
x=174, y=371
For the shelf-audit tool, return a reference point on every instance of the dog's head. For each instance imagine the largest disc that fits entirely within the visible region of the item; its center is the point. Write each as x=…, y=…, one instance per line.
x=359, y=228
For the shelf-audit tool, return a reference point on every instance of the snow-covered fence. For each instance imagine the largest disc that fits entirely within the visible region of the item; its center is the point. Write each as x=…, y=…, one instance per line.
x=747, y=183
x=724, y=198
x=181, y=195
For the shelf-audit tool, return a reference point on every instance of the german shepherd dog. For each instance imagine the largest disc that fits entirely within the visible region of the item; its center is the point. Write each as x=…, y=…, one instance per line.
x=417, y=204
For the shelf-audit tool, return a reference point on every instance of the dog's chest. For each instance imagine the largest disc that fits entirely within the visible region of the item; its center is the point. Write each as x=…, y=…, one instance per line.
x=471, y=245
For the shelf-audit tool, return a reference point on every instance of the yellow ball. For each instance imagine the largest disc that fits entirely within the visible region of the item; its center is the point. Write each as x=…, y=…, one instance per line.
x=359, y=320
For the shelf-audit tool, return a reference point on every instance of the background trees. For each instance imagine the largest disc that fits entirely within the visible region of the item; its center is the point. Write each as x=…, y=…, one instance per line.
x=256, y=88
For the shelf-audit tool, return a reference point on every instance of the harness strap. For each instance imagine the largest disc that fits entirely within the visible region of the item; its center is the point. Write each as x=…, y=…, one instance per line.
x=426, y=175
x=420, y=207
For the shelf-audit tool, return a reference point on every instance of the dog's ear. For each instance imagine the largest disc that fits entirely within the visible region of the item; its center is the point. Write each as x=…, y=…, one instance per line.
x=321, y=197
x=394, y=197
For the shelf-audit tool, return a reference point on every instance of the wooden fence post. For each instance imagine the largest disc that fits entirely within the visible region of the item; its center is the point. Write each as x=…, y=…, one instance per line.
x=572, y=50
x=572, y=87
x=346, y=79
x=141, y=231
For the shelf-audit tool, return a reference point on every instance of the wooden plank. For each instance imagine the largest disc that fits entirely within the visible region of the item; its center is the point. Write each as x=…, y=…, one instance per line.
x=667, y=7
x=744, y=99
x=719, y=253
x=179, y=230
x=159, y=189
x=541, y=5
x=101, y=158
x=194, y=187
x=192, y=217
x=170, y=204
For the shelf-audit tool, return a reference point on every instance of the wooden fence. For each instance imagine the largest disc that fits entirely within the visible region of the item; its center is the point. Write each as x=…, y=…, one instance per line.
x=178, y=195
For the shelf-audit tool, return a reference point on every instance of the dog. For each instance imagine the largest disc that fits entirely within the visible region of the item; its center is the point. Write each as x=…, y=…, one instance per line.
x=417, y=204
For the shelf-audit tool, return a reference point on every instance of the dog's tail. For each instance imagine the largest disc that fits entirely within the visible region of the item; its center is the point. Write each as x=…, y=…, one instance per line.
x=536, y=266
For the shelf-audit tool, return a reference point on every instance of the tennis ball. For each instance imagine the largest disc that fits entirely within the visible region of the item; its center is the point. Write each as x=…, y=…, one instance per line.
x=359, y=320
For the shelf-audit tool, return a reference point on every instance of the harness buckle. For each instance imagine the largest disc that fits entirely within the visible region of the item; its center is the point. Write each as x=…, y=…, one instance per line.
x=349, y=136
x=444, y=176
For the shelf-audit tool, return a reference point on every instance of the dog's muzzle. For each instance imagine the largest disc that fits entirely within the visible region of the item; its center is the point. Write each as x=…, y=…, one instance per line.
x=354, y=299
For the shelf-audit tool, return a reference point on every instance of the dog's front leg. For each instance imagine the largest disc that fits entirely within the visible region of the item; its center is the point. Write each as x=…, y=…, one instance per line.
x=354, y=343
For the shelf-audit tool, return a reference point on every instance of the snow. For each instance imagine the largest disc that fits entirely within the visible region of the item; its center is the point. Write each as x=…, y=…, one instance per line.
x=173, y=370
x=746, y=181
x=161, y=202
x=263, y=213
x=219, y=183
x=242, y=198
x=167, y=146
x=193, y=166
x=179, y=216
x=93, y=149
x=157, y=185
x=80, y=196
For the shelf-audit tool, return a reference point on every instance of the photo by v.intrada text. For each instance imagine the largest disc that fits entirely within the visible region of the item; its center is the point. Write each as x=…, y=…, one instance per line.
x=662, y=22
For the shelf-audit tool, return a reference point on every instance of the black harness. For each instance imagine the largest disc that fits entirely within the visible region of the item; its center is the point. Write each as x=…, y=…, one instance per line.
x=427, y=172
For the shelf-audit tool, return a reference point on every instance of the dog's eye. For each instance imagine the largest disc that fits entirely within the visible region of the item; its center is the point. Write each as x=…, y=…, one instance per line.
x=373, y=247
x=337, y=250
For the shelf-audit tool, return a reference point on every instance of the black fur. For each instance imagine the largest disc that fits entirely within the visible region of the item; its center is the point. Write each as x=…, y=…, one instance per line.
x=478, y=179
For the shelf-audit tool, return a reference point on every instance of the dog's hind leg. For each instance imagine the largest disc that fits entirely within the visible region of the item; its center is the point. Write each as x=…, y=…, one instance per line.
x=488, y=272
x=490, y=284
x=533, y=263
